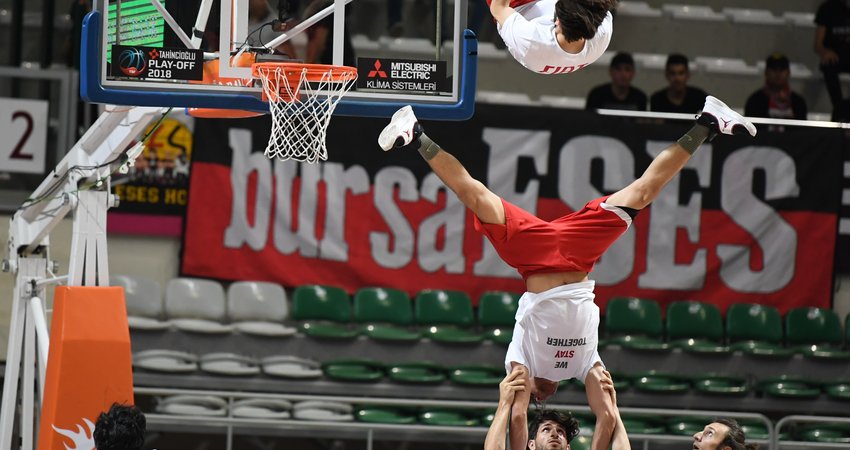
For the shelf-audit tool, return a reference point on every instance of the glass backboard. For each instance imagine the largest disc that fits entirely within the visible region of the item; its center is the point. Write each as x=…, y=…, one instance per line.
x=168, y=53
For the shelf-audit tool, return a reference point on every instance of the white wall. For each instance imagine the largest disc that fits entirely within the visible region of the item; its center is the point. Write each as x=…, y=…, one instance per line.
x=152, y=257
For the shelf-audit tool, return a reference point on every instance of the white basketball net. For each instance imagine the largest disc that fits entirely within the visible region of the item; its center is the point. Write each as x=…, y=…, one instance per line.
x=299, y=126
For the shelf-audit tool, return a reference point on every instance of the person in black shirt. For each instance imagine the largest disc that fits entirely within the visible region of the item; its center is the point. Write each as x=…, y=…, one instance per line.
x=678, y=97
x=832, y=44
x=619, y=93
x=776, y=99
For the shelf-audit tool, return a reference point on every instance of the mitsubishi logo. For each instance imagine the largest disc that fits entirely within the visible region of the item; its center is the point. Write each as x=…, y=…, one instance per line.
x=377, y=72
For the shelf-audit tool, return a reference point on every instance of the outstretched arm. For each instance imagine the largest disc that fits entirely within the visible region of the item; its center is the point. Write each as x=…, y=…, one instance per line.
x=514, y=383
x=620, y=440
x=501, y=10
x=595, y=385
x=519, y=414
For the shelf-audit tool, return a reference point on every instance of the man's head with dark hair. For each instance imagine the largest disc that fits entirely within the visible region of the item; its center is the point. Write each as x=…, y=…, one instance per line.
x=622, y=70
x=120, y=428
x=677, y=72
x=551, y=430
x=722, y=434
x=579, y=19
x=674, y=59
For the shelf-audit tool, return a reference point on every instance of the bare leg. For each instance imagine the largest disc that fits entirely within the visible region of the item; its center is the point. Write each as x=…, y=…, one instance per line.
x=643, y=191
x=480, y=200
x=405, y=132
x=715, y=118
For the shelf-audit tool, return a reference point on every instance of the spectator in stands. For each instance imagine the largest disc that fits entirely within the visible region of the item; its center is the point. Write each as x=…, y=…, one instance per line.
x=678, y=97
x=776, y=99
x=120, y=428
x=555, y=337
x=321, y=37
x=832, y=44
x=619, y=93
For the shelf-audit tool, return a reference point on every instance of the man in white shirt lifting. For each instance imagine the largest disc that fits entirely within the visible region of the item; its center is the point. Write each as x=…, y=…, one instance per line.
x=554, y=36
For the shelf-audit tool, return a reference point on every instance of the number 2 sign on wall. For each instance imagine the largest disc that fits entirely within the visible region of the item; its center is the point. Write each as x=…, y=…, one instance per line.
x=23, y=135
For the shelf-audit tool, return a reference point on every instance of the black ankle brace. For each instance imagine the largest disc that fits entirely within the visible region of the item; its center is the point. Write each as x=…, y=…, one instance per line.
x=427, y=148
x=698, y=134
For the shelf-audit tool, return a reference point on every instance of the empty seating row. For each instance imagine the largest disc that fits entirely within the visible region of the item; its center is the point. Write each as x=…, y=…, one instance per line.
x=360, y=370
x=279, y=409
x=448, y=316
x=735, y=15
x=323, y=311
x=751, y=328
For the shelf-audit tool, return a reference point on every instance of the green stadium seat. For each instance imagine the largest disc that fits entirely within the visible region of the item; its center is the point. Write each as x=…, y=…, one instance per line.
x=416, y=372
x=824, y=432
x=788, y=387
x=718, y=384
x=477, y=375
x=353, y=370
x=375, y=414
x=496, y=315
x=452, y=418
x=323, y=311
x=580, y=443
x=685, y=425
x=446, y=316
x=659, y=382
x=815, y=332
x=756, y=330
x=486, y=417
x=754, y=430
x=642, y=425
x=839, y=390
x=695, y=327
x=386, y=313
x=634, y=323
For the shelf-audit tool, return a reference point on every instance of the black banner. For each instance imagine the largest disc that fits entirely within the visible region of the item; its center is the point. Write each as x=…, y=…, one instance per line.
x=402, y=75
x=151, y=63
x=748, y=220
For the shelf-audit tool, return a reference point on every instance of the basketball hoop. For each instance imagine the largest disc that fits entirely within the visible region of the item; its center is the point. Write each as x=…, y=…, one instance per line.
x=302, y=98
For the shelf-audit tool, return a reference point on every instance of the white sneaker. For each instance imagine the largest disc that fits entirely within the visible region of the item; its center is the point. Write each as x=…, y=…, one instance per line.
x=722, y=119
x=402, y=130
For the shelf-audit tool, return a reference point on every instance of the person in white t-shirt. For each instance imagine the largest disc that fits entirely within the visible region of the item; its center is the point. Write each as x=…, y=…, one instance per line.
x=554, y=36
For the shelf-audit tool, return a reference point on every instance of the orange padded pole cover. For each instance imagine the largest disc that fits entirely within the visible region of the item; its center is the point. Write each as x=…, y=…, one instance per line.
x=89, y=364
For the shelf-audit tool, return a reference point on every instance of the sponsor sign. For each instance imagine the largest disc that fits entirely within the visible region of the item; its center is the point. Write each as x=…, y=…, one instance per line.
x=151, y=63
x=154, y=192
x=403, y=75
x=747, y=220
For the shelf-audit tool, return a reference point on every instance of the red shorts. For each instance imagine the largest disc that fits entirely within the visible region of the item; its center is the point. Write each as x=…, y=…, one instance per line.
x=572, y=243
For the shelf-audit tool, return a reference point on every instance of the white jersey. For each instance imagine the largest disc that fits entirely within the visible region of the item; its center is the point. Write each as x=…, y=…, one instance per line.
x=556, y=333
x=529, y=35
